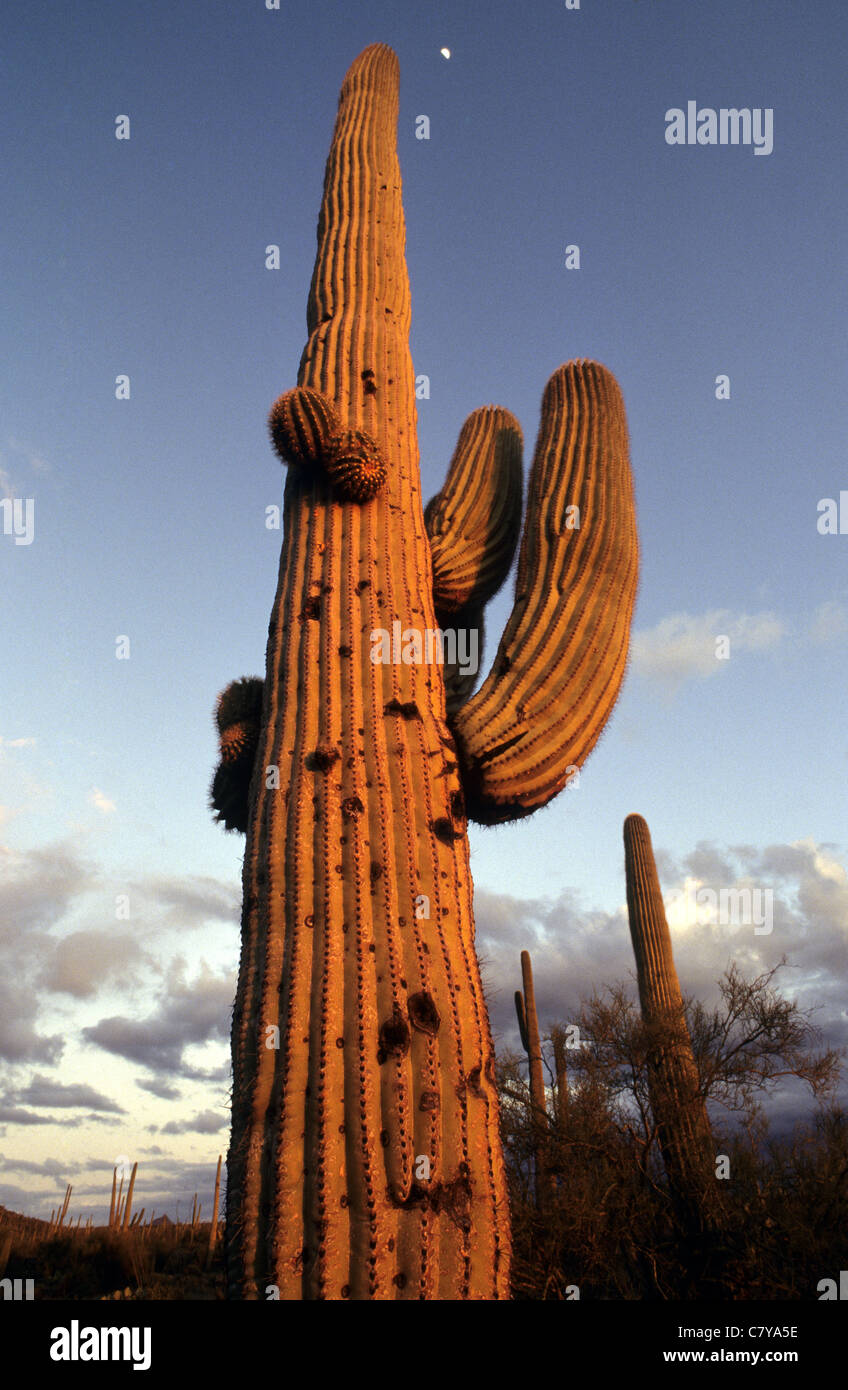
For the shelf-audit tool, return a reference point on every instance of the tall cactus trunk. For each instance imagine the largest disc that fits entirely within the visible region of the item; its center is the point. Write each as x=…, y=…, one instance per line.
x=528, y=1024
x=365, y=1157
x=679, y=1111
x=366, y=1161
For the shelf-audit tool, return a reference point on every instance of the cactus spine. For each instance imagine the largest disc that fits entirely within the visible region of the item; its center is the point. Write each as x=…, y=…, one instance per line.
x=365, y=1157
x=680, y=1113
x=528, y=1026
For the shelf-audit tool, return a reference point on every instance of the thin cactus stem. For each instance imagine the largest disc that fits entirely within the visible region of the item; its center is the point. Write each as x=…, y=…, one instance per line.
x=128, y=1203
x=561, y=1075
x=213, y=1232
x=528, y=1023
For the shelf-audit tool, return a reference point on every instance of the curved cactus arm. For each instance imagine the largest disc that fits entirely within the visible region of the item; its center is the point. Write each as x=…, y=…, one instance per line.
x=562, y=657
x=238, y=712
x=474, y=523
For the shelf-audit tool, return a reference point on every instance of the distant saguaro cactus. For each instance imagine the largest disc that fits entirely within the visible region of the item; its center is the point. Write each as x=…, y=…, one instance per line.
x=528, y=1027
x=365, y=1157
x=558, y=1040
x=680, y=1114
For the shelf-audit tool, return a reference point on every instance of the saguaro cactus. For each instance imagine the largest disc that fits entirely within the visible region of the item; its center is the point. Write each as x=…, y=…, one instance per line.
x=528, y=1027
x=365, y=1159
x=561, y=1074
x=680, y=1114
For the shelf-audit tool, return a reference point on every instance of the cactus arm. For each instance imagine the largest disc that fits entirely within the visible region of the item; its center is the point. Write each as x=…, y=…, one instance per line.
x=475, y=521
x=522, y=1019
x=528, y=1023
x=562, y=657
x=238, y=714
x=474, y=525
x=678, y=1107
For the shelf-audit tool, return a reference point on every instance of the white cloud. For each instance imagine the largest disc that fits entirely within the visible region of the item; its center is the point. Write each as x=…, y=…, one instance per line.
x=829, y=622
x=683, y=645
x=101, y=801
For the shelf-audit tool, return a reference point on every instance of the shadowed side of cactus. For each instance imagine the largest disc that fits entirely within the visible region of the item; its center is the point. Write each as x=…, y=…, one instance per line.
x=678, y=1107
x=474, y=524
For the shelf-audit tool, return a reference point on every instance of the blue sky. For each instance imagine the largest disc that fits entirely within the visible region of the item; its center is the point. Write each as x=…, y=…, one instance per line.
x=146, y=257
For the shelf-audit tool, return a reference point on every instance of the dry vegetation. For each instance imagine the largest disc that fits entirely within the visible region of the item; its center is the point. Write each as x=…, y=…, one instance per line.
x=142, y=1262
x=608, y=1224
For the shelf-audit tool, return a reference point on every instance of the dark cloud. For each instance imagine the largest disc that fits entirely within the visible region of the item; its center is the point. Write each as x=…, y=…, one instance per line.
x=50, y=1168
x=37, y=890
x=42, y=1091
x=163, y=1089
x=783, y=861
x=706, y=863
x=84, y=962
x=22, y=1200
x=188, y=1013
x=10, y=1114
x=573, y=952
x=204, y=1122
x=20, y=1040
x=194, y=900
x=40, y=885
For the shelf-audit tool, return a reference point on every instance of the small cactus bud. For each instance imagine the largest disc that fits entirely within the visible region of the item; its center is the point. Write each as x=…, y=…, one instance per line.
x=240, y=703
x=238, y=739
x=301, y=422
x=355, y=466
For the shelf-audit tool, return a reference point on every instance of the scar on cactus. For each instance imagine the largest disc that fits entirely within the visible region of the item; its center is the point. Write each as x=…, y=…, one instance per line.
x=385, y=1053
